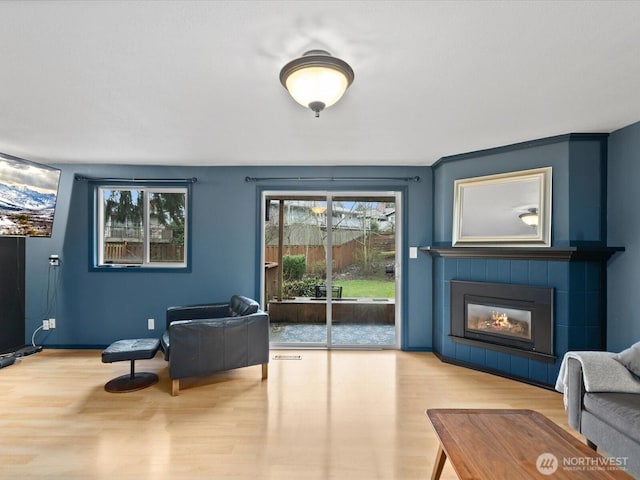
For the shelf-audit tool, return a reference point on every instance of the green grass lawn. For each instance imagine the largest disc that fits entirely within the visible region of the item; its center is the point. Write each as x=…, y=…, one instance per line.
x=367, y=288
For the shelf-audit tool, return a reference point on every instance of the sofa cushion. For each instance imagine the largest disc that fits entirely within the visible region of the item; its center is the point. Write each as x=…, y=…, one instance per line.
x=620, y=410
x=630, y=358
x=240, y=306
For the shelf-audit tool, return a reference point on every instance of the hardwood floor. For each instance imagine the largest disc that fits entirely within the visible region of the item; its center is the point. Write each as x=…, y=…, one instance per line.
x=331, y=415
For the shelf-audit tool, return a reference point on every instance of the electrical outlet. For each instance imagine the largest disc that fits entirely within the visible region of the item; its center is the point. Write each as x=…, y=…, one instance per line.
x=151, y=323
x=45, y=324
x=52, y=323
x=54, y=260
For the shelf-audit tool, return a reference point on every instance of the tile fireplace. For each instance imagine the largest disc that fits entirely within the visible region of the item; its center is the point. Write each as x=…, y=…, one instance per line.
x=510, y=318
x=575, y=275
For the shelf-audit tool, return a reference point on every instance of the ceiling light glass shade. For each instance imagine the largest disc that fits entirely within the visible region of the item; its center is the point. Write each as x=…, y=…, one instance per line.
x=530, y=218
x=313, y=84
x=316, y=80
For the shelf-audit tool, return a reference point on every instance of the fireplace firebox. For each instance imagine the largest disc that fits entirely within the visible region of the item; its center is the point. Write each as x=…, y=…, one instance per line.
x=509, y=318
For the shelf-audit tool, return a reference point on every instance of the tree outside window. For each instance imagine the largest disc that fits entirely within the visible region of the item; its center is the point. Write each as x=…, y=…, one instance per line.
x=142, y=226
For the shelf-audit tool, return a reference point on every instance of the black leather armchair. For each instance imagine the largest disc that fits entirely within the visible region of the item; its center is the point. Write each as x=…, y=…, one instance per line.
x=207, y=338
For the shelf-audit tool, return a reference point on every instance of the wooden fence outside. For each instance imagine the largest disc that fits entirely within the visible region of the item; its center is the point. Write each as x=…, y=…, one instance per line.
x=343, y=255
x=160, y=252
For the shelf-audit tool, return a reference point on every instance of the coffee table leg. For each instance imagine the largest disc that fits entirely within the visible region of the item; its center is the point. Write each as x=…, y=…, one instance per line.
x=441, y=457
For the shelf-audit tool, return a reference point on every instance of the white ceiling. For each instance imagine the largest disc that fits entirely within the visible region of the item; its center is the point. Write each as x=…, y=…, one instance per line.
x=196, y=82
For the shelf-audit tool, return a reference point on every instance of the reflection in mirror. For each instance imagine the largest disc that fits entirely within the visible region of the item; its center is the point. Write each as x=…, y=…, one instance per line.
x=530, y=217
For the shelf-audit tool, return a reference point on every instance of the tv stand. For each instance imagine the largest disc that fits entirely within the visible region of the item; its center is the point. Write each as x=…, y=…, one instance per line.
x=12, y=324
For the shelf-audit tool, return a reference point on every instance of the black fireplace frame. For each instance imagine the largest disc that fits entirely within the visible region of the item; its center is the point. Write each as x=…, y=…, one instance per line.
x=537, y=300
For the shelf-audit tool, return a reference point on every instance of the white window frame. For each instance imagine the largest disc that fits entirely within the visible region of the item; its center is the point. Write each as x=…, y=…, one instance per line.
x=99, y=225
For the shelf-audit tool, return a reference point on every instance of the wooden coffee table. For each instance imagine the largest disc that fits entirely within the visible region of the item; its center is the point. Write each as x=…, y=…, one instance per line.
x=508, y=444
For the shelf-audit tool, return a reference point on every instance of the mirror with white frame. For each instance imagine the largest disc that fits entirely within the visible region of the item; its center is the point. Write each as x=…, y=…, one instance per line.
x=505, y=209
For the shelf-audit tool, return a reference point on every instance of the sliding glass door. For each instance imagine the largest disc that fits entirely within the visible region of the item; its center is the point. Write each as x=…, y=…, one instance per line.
x=330, y=269
x=295, y=252
x=363, y=275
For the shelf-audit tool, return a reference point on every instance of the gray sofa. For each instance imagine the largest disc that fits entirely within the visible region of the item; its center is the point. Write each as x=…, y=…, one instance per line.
x=207, y=338
x=610, y=421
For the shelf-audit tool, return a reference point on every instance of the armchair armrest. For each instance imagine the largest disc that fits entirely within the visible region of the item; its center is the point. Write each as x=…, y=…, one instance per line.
x=190, y=312
x=575, y=392
x=196, y=312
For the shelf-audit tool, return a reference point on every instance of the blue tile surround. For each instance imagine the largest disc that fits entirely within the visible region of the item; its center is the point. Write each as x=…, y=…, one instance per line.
x=578, y=290
x=578, y=220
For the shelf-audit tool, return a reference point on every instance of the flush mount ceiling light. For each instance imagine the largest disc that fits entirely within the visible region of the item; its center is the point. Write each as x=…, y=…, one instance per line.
x=530, y=217
x=316, y=80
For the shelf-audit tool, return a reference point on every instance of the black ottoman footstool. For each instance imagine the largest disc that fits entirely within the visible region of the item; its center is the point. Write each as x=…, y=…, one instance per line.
x=132, y=350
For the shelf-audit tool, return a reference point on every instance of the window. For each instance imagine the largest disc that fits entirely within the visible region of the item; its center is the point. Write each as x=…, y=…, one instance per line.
x=141, y=226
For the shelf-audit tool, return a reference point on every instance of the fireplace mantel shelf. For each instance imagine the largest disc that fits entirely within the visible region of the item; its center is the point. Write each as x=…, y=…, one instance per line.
x=561, y=254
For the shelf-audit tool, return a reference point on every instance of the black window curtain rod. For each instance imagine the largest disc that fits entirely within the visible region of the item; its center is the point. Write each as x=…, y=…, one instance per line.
x=331, y=179
x=137, y=180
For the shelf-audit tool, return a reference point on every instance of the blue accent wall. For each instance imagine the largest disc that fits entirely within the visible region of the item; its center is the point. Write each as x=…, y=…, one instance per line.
x=587, y=192
x=624, y=229
x=95, y=308
x=578, y=216
x=594, y=184
x=576, y=292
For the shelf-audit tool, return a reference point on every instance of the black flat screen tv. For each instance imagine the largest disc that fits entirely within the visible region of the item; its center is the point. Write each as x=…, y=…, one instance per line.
x=28, y=196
